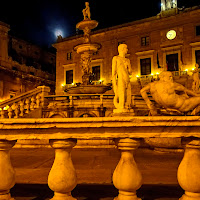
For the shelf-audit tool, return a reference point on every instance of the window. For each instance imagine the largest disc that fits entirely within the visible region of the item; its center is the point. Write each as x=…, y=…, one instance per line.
x=69, y=55
x=145, y=41
x=172, y=62
x=96, y=73
x=32, y=73
x=95, y=53
x=198, y=30
x=12, y=93
x=197, y=55
x=1, y=88
x=14, y=68
x=69, y=77
x=145, y=65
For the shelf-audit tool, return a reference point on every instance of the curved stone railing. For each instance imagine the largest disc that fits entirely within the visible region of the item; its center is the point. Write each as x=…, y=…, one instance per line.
x=128, y=134
x=20, y=105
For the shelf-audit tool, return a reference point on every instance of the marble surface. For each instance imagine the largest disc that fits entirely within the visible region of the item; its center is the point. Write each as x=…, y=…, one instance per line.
x=100, y=128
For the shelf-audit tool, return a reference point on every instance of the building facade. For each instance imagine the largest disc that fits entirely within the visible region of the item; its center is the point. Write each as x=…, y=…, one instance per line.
x=168, y=41
x=23, y=66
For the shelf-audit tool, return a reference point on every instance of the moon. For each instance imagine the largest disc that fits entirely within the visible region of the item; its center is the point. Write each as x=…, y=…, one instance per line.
x=58, y=32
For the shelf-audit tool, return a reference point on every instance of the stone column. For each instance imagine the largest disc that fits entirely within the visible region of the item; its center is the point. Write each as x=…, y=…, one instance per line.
x=189, y=171
x=62, y=177
x=127, y=177
x=7, y=173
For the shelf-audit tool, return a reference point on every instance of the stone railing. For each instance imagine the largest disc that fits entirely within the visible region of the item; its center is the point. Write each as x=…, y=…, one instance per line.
x=128, y=134
x=22, y=104
x=90, y=103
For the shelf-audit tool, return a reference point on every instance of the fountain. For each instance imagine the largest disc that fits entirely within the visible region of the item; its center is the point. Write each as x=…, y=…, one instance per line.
x=86, y=50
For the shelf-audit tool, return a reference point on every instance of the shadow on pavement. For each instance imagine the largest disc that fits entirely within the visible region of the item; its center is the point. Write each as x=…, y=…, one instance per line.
x=96, y=192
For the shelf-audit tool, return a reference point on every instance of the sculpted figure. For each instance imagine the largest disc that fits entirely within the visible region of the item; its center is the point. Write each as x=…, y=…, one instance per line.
x=164, y=92
x=169, y=4
x=195, y=76
x=121, y=69
x=86, y=12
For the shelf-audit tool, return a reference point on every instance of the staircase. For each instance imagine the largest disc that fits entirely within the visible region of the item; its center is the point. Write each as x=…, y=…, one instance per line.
x=23, y=104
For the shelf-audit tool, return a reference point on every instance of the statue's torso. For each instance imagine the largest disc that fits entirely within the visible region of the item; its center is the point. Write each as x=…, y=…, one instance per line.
x=122, y=68
x=165, y=95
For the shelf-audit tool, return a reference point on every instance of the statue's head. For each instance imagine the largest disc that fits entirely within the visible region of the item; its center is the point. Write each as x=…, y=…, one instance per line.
x=166, y=76
x=123, y=48
x=87, y=3
x=197, y=65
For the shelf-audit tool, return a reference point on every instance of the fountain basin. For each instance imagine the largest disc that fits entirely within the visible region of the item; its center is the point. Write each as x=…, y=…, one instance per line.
x=88, y=89
x=90, y=24
x=87, y=47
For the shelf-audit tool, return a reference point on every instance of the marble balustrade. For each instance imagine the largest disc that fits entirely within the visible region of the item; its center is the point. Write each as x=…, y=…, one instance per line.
x=127, y=132
x=18, y=106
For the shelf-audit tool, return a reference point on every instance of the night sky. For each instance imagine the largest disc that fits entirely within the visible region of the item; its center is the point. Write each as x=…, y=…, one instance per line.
x=37, y=21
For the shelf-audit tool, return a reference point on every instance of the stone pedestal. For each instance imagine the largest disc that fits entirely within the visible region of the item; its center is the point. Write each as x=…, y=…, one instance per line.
x=189, y=171
x=62, y=177
x=7, y=173
x=127, y=177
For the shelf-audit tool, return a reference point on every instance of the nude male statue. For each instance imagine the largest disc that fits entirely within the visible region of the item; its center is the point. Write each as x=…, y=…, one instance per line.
x=196, y=81
x=121, y=69
x=86, y=12
x=164, y=93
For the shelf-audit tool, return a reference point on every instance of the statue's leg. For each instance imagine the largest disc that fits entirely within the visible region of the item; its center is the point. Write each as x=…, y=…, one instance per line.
x=128, y=95
x=121, y=94
x=190, y=104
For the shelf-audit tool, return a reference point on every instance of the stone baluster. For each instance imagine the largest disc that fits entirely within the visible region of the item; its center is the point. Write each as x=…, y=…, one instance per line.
x=2, y=113
x=133, y=100
x=101, y=99
x=27, y=102
x=71, y=103
x=189, y=171
x=10, y=112
x=62, y=177
x=45, y=92
x=7, y=173
x=15, y=107
x=38, y=100
x=32, y=105
x=21, y=108
x=127, y=177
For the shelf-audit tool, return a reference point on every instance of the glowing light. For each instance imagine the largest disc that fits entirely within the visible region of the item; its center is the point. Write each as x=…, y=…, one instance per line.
x=193, y=69
x=72, y=83
x=137, y=76
x=100, y=81
x=58, y=32
x=5, y=108
x=62, y=84
x=157, y=73
x=186, y=70
x=152, y=74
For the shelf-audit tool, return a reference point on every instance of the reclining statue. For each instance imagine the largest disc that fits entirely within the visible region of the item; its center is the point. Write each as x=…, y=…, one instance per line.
x=167, y=94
